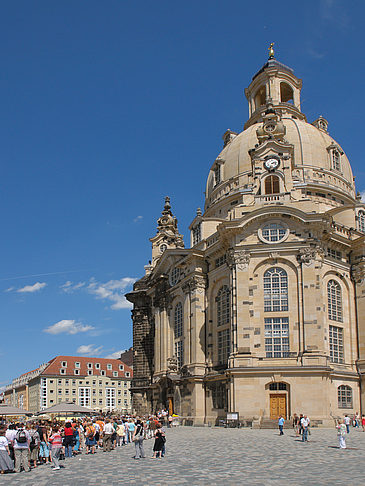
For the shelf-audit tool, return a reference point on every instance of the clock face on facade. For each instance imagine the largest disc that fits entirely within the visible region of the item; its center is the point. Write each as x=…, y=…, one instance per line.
x=271, y=163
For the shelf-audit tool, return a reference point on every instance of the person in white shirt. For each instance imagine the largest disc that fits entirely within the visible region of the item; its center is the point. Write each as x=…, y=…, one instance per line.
x=107, y=436
x=6, y=464
x=305, y=424
x=347, y=422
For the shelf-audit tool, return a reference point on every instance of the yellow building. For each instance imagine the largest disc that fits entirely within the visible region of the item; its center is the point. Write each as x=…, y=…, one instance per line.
x=264, y=314
x=98, y=383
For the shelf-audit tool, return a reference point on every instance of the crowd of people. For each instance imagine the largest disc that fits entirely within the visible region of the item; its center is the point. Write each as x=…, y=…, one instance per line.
x=24, y=446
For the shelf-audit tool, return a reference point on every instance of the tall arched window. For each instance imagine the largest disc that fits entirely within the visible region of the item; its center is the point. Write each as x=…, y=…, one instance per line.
x=272, y=184
x=178, y=334
x=361, y=221
x=178, y=320
x=286, y=93
x=223, y=306
x=344, y=394
x=334, y=299
x=275, y=290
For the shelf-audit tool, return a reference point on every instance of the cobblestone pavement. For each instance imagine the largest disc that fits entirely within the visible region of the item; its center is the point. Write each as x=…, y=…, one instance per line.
x=215, y=456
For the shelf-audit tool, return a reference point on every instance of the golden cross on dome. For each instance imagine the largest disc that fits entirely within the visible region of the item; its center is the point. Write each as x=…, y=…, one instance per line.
x=271, y=51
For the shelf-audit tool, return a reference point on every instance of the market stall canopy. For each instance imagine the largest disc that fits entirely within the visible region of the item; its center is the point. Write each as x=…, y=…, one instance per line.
x=67, y=409
x=8, y=410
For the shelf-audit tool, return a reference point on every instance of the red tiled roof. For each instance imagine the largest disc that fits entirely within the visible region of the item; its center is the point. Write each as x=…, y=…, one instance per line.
x=56, y=364
x=27, y=373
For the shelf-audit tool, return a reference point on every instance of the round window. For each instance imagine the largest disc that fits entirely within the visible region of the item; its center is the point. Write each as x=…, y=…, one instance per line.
x=273, y=232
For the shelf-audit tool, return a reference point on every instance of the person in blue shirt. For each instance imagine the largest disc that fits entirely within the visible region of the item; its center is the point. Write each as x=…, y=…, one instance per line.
x=281, y=422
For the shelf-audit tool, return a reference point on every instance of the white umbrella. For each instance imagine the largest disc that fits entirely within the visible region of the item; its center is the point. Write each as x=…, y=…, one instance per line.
x=66, y=408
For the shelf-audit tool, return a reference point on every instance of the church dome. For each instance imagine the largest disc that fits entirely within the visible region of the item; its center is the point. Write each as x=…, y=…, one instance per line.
x=277, y=123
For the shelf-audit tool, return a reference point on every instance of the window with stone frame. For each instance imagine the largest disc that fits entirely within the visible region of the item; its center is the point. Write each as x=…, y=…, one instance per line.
x=224, y=346
x=178, y=320
x=336, y=344
x=179, y=352
x=277, y=337
x=361, y=221
x=344, y=396
x=334, y=301
x=336, y=160
x=219, y=396
x=275, y=290
x=272, y=184
x=223, y=306
x=197, y=234
x=217, y=174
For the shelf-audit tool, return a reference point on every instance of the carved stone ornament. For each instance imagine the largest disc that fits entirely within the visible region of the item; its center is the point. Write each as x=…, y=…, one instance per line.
x=310, y=254
x=240, y=258
x=172, y=364
x=358, y=273
x=195, y=284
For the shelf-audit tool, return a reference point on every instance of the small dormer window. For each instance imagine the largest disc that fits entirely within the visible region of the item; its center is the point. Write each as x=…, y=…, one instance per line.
x=197, y=235
x=64, y=364
x=109, y=366
x=336, y=160
x=361, y=221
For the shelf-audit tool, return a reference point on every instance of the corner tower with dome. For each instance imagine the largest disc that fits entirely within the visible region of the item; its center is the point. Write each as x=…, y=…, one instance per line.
x=264, y=314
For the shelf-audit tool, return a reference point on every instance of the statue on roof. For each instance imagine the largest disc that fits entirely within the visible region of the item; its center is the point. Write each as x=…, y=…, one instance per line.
x=271, y=51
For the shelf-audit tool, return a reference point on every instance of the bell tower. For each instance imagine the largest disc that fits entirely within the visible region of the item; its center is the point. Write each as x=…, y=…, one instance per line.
x=167, y=236
x=274, y=84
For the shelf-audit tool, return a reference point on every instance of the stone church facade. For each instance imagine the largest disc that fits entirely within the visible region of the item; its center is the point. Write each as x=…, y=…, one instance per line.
x=264, y=314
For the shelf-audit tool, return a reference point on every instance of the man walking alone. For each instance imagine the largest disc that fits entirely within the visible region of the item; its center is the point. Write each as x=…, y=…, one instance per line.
x=281, y=424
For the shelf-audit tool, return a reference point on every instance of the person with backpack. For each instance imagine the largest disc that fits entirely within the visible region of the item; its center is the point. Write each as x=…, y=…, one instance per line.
x=90, y=438
x=137, y=438
x=34, y=444
x=21, y=445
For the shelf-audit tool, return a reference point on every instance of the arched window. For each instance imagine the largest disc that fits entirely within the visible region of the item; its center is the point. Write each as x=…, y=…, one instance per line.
x=361, y=221
x=178, y=334
x=275, y=290
x=272, y=184
x=260, y=97
x=223, y=306
x=178, y=320
x=334, y=299
x=336, y=160
x=344, y=394
x=286, y=93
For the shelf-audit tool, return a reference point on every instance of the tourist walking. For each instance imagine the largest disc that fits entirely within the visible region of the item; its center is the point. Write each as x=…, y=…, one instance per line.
x=281, y=422
x=6, y=463
x=68, y=440
x=341, y=433
x=34, y=444
x=304, y=424
x=159, y=443
x=90, y=438
x=56, y=447
x=347, y=422
x=21, y=444
x=107, y=436
x=138, y=438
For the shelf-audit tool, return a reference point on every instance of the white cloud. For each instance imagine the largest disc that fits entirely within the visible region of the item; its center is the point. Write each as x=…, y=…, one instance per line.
x=89, y=350
x=137, y=218
x=32, y=288
x=9, y=289
x=362, y=194
x=115, y=355
x=68, y=326
x=113, y=291
x=70, y=287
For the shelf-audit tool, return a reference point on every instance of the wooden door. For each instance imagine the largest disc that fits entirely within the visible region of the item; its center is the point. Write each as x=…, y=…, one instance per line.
x=277, y=406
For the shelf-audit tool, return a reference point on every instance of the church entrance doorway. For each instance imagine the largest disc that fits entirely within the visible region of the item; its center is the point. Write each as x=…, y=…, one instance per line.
x=277, y=406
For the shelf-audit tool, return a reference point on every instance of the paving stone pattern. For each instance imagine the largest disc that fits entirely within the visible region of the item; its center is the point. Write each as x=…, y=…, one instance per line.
x=216, y=456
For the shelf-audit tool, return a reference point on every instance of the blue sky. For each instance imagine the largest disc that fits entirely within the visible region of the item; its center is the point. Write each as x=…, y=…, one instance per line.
x=106, y=107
